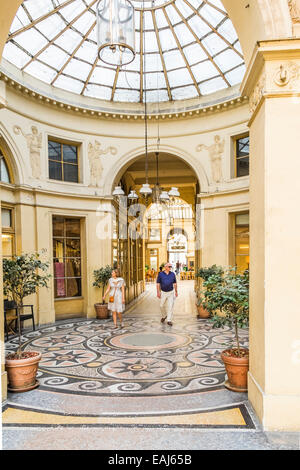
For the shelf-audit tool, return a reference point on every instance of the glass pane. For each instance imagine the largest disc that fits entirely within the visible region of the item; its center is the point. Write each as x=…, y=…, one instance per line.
x=6, y=218
x=73, y=267
x=73, y=287
x=242, y=219
x=242, y=147
x=7, y=245
x=59, y=288
x=4, y=174
x=70, y=153
x=58, y=249
x=72, y=228
x=242, y=165
x=54, y=150
x=70, y=173
x=55, y=171
x=72, y=248
x=58, y=227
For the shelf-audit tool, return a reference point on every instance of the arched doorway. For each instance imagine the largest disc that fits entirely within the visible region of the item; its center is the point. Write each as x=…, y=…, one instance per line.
x=150, y=246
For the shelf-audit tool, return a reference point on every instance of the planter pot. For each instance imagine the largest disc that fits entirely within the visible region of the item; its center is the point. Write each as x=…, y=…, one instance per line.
x=101, y=311
x=21, y=373
x=202, y=312
x=237, y=371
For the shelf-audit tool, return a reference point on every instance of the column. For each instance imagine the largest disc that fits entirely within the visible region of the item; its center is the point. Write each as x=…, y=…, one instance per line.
x=272, y=83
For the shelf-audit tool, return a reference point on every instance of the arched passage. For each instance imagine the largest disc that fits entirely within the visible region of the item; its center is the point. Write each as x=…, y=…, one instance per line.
x=148, y=252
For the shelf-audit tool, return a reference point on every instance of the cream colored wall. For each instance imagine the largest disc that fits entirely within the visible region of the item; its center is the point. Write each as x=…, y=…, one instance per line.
x=37, y=200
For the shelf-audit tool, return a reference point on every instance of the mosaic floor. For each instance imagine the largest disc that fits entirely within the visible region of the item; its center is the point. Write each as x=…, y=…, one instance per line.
x=145, y=375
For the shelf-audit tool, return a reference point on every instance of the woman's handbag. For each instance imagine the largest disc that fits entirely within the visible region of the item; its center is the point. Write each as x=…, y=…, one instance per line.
x=112, y=297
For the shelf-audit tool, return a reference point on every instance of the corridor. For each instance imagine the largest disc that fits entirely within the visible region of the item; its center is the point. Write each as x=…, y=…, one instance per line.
x=146, y=386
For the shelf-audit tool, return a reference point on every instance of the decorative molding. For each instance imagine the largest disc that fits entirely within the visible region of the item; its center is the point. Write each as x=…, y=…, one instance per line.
x=257, y=94
x=188, y=113
x=34, y=144
x=294, y=6
x=287, y=75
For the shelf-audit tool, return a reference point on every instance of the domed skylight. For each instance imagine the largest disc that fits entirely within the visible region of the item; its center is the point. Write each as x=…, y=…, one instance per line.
x=191, y=49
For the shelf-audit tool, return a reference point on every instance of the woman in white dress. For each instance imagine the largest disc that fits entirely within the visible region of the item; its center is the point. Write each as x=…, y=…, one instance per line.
x=116, y=288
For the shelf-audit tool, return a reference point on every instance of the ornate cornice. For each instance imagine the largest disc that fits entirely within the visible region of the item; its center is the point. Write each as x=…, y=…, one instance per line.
x=188, y=112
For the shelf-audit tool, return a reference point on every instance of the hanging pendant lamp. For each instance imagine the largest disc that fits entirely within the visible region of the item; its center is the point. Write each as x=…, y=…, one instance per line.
x=115, y=32
x=118, y=191
x=145, y=190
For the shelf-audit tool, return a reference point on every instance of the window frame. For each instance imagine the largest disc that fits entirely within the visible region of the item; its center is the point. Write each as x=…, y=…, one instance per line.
x=3, y=155
x=236, y=158
x=9, y=230
x=63, y=142
x=64, y=237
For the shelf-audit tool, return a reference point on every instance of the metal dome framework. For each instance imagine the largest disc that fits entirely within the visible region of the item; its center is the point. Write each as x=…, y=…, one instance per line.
x=191, y=49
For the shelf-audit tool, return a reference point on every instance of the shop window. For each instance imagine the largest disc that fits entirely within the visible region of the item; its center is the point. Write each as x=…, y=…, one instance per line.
x=8, y=235
x=242, y=242
x=63, y=162
x=242, y=156
x=4, y=173
x=67, y=257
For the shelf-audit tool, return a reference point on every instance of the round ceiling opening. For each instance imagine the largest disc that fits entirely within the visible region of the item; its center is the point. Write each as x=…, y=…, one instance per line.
x=191, y=49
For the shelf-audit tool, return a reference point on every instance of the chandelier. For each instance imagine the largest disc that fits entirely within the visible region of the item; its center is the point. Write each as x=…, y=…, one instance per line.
x=115, y=32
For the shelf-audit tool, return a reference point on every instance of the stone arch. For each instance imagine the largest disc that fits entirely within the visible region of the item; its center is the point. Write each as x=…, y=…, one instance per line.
x=254, y=21
x=13, y=156
x=116, y=172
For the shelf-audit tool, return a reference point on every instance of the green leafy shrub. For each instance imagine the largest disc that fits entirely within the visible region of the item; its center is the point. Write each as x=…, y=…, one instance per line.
x=22, y=276
x=101, y=277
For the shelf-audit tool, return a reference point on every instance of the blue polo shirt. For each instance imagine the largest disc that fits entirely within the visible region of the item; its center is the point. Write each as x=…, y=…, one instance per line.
x=166, y=281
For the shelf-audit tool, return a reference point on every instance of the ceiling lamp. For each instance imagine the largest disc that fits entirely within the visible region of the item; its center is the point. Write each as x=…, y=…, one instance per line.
x=115, y=32
x=164, y=197
x=118, y=191
x=174, y=193
x=132, y=196
x=145, y=190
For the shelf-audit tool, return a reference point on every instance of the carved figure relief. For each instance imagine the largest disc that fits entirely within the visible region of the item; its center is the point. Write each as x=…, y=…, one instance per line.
x=34, y=144
x=294, y=6
x=216, y=152
x=94, y=154
x=257, y=93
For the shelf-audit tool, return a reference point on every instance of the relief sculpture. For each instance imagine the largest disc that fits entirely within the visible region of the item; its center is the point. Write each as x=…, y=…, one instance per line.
x=94, y=154
x=216, y=152
x=34, y=144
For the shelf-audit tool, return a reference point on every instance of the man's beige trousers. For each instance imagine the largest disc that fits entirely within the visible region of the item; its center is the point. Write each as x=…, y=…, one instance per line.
x=167, y=304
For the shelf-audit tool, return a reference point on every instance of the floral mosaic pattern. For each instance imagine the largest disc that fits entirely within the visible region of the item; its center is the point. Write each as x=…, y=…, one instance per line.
x=90, y=357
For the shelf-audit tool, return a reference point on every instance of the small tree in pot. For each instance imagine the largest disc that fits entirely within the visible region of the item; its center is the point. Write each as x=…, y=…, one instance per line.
x=101, y=277
x=211, y=277
x=231, y=296
x=22, y=276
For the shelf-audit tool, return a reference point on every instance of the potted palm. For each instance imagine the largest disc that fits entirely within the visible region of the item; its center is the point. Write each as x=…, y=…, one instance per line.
x=22, y=276
x=231, y=297
x=210, y=276
x=101, y=277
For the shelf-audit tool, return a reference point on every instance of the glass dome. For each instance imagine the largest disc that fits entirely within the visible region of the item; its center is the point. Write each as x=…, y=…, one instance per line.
x=191, y=49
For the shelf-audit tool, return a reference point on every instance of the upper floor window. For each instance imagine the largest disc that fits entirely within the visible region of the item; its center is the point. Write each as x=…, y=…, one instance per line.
x=63, y=161
x=242, y=156
x=8, y=233
x=4, y=173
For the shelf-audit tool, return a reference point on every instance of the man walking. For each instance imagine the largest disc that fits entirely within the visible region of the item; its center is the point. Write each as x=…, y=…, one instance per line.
x=166, y=284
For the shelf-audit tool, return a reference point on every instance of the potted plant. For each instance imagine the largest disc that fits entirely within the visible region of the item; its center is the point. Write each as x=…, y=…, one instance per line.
x=231, y=297
x=22, y=276
x=101, y=277
x=211, y=276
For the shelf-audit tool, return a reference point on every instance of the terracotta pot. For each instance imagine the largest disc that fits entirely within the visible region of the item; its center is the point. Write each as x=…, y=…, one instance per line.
x=101, y=311
x=202, y=312
x=22, y=373
x=237, y=371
